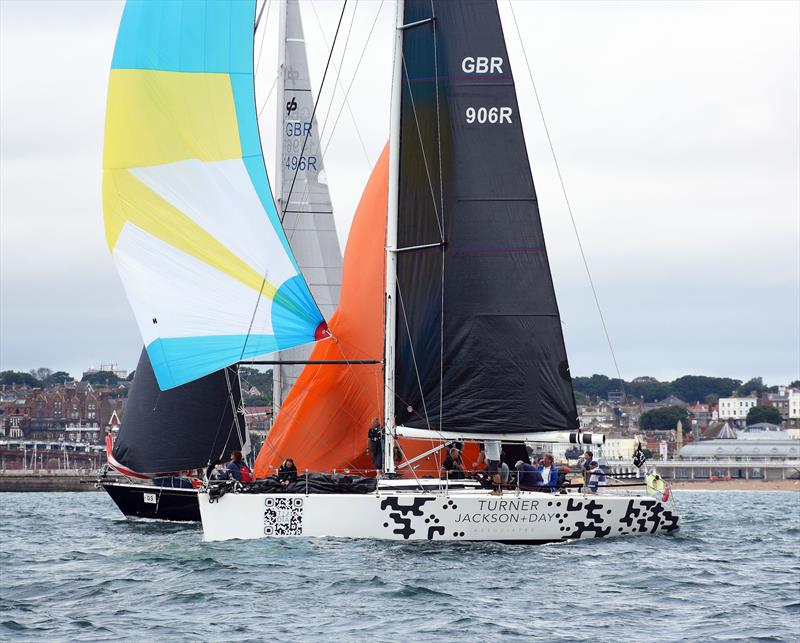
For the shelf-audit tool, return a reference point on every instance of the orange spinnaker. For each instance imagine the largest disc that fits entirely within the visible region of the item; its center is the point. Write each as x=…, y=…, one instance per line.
x=324, y=419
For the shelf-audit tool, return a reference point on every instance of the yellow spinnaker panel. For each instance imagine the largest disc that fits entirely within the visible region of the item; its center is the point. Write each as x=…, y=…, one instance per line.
x=156, y=117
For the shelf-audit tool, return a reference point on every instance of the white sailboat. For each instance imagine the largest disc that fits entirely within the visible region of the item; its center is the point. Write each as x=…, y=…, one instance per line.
x=470, y=337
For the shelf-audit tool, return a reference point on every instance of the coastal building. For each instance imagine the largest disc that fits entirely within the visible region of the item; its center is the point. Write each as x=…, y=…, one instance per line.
x=736, y=408
x=619, y=447
x=73, y=412
x=793, y=420
x=761, y=451
x=702, y=415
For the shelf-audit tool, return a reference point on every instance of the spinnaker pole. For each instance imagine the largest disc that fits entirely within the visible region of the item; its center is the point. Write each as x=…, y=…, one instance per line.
x=391, y=244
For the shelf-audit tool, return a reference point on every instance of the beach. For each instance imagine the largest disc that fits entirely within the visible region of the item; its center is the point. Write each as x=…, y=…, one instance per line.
x=736, y=485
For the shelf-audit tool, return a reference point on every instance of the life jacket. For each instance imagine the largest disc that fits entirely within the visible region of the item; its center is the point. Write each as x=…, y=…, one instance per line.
x=247, y=475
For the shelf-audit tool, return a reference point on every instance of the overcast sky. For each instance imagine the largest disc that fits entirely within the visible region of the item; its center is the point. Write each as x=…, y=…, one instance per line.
x=676, y=126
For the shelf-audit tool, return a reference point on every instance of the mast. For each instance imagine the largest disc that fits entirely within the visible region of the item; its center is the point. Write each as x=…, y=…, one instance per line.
x=277, y=374
x=391, y=243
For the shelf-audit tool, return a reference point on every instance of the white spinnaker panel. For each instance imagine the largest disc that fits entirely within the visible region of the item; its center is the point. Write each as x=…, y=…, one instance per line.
x=308, y=220
x=143, y=259
x=202, y=191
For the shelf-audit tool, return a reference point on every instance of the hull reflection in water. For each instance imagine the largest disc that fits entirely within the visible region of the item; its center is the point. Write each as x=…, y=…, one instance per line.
x=468, y=515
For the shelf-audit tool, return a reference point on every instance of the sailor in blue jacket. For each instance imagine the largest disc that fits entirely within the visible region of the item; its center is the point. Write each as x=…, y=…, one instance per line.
x=548, y=472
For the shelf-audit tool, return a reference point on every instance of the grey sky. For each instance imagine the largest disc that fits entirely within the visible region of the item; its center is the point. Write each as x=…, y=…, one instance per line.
x=677, y=127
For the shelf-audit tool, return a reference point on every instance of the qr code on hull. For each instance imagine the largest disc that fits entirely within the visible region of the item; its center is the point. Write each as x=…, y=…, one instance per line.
x=283, y=516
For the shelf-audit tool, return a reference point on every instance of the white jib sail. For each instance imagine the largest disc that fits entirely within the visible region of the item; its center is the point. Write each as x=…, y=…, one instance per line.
x=308, y=219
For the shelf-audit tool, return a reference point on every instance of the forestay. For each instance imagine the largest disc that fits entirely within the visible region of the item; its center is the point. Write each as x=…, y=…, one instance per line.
x=479, y=346
x=189, y=214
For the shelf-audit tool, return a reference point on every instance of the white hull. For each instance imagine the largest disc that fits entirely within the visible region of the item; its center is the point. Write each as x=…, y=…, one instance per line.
x=467, y=515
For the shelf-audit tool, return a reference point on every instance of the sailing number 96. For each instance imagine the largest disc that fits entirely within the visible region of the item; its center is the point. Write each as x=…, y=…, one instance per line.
x=492, y=115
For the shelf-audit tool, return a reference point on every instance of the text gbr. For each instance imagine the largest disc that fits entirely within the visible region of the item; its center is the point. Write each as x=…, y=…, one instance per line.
x=483, y=115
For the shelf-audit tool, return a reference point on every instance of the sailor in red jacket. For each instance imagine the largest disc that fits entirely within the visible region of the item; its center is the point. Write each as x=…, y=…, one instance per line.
x=237, y=469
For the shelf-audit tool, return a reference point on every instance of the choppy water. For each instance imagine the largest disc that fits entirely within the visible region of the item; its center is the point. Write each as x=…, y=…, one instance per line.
x=74, y=569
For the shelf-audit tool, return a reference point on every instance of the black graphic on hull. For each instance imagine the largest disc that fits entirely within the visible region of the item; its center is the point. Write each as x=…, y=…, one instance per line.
x=401, y=518
x=283, y=516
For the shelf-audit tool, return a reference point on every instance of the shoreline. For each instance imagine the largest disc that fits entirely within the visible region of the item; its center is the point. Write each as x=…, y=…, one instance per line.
x=735, y=485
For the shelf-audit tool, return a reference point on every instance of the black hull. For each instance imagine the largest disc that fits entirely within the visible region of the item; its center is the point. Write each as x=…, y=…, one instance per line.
x=156, y=503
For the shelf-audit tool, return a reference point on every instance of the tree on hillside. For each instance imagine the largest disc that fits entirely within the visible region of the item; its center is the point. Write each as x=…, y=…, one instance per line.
x=753, y=385
x=648, y=388
x=764, y=414
x=41, y=374
x=131, y=375
x=19, y=378
x=596, y=385
x=665, y=418
x=711, y=398
x=693, y=388
x=59, y=377
x=100, y=378
x=795, y=384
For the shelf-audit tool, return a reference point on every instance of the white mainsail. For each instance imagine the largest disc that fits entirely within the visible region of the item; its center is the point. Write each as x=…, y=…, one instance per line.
x=302, y=189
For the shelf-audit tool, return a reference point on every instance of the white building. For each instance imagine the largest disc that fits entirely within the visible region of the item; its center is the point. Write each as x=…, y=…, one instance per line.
x=794, y=403
x=735, y=407
x=618, y=447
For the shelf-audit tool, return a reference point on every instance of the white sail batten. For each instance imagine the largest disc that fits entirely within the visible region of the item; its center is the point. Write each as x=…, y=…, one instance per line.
x=303, y=197
x=553, y=437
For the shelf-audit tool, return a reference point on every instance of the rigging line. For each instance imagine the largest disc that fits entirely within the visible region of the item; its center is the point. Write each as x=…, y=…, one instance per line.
x=566, y=200
x=413, y=354
x=339, y=70
x=338, y=77
x=269, y=93
x=314, y=111
x=294, y=179
x=234, y=408
x=422, y=148
x=350, y=86
x=268, y=5
x=308, y=184
x=441, y=206
x=219, y=428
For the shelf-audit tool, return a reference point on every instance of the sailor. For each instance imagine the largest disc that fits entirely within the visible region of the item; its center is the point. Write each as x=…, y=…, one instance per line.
x=528, y=478
x=375, y=444
x=548, y=472
x=592, y=473
x=491, y=455
x=453, y=465
x=287, y=473
x=238, y=469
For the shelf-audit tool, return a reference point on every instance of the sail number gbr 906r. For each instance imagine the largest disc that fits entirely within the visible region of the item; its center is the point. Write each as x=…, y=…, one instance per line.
x=484, y=115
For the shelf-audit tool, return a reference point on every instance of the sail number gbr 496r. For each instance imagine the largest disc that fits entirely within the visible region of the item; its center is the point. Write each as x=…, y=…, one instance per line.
x=483, y=115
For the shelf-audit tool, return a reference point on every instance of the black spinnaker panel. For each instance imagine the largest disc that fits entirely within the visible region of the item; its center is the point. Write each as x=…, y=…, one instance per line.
x=180, y=429
x=479, y=312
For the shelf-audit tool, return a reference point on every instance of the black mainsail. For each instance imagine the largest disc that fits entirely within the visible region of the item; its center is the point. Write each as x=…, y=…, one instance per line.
x=479, y=345
x=183, y=428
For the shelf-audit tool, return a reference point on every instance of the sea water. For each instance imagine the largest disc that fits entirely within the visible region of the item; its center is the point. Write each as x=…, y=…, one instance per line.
x=72, y=568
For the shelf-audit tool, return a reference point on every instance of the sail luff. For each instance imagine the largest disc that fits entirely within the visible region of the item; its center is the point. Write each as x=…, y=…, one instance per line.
x=277, y=371
x=390, y=312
